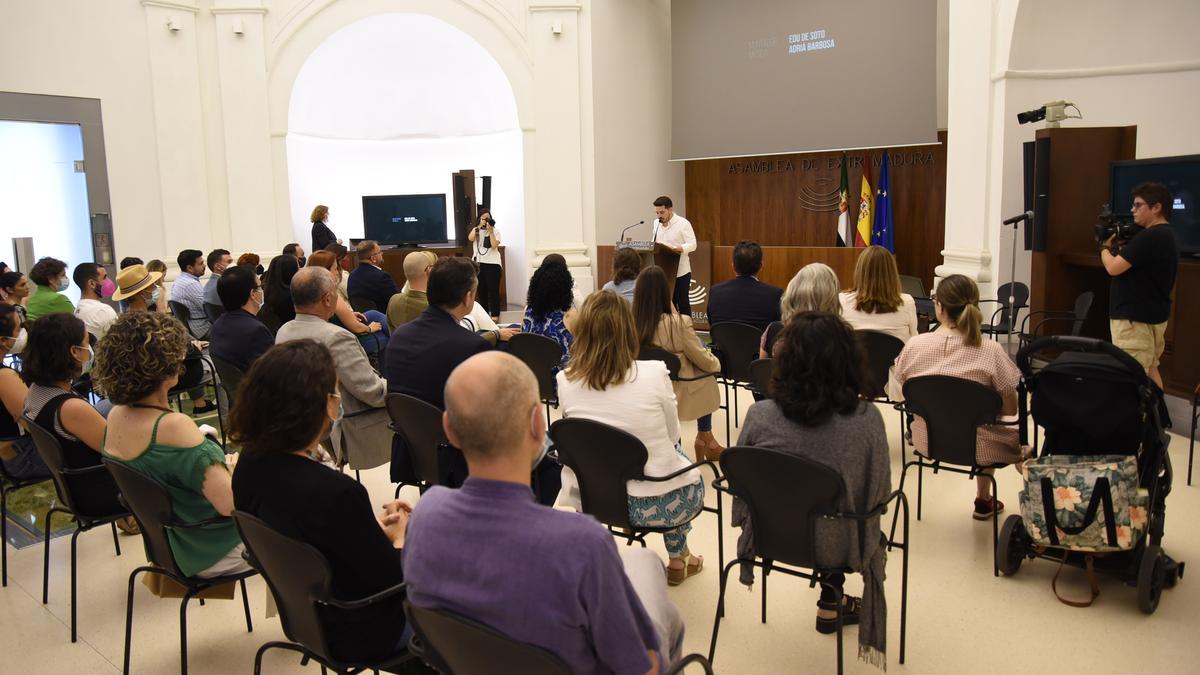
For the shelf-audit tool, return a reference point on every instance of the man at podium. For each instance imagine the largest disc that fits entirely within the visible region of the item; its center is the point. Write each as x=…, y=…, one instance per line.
x=675, y=232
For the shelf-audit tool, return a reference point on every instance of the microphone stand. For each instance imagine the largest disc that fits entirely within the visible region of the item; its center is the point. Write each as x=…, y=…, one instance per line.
x=1012, y=287
x=622, y=237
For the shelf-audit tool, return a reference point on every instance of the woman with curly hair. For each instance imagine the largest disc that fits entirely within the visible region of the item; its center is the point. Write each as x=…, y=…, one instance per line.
x=137, y=363
x=548, y=309
x=816, y=411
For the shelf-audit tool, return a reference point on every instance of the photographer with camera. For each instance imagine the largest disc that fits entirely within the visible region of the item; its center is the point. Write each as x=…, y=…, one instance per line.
x=487, y=253
x=1142, y=262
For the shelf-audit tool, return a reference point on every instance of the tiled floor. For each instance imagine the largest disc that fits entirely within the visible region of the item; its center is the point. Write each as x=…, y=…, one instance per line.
x=961, y=619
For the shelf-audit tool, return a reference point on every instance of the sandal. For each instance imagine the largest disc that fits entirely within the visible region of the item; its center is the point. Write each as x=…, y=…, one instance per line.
x=851, y=608
x=676, y=576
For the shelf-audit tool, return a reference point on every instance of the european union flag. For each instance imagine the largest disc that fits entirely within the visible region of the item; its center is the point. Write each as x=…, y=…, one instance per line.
x=882, y=233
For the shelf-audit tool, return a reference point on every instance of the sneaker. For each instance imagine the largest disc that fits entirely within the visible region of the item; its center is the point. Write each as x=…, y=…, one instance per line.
x=984, y=508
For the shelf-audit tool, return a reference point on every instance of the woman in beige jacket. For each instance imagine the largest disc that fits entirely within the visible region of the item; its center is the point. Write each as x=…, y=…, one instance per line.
x=660, y=324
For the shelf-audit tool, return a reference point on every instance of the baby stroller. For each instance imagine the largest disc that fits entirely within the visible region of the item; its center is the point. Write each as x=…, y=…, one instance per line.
x=1095, y=496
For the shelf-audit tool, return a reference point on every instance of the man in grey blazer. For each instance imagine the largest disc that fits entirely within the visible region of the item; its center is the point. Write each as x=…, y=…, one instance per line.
x=361, y=437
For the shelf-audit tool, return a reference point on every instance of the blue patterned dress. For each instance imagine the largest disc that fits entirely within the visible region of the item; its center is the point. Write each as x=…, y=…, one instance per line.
x=551, y=326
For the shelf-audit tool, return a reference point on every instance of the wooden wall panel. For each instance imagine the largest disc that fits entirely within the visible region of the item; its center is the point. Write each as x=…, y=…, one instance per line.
x=780, y=263
x=785, y=200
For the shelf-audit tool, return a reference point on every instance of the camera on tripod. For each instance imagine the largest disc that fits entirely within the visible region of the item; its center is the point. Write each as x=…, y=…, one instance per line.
x=1120, y=226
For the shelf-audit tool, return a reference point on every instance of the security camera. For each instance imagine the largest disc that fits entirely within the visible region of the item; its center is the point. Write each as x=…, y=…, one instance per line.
x=1053, y=112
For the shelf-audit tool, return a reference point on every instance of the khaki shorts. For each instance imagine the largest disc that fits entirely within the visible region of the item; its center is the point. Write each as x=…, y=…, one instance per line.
x=1143, y=341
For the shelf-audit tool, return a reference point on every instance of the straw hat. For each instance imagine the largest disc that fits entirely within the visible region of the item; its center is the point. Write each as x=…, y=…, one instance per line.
x=133, y=280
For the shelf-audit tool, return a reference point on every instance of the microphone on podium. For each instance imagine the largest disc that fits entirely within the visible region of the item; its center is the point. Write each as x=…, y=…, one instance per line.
x=622, y=237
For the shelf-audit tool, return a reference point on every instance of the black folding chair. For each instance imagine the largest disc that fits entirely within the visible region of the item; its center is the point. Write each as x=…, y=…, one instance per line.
x=455, y=644
x=66, y=480
x=361, y=304
x=542, y=355
x=194, y=377
x=184, y=315
x=652, y=353
x=8, y=483
x=1076, y=316
x=229, y=377
x=604, y=458
x=213, y=312
x=953, y=409
x=420, y=425
x=151, y=506
x=881, y=350
x=736, y=345
x=786, y=495
x=301, y=581
x=1004, y=319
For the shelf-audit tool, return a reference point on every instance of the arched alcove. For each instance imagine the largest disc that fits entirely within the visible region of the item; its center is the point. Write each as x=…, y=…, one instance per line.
x=393, y=104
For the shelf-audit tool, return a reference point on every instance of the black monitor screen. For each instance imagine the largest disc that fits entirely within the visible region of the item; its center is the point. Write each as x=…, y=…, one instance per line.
x=1181, y=175
x=405, y=219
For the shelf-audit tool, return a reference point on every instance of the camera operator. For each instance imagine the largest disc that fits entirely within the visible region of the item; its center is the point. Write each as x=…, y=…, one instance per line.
x=1143, y=274
x=486, y=240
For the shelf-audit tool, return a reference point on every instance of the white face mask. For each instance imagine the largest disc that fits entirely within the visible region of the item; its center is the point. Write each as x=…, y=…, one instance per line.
x=63, y=285
x=91, y=359
x=155, y=295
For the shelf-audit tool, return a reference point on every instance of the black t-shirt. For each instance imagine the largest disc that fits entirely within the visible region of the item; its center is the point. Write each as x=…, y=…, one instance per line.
x=1143, y=292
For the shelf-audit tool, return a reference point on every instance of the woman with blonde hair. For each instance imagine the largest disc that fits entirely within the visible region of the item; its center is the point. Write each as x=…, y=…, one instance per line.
x=875, y=302
x=813, y=289
x=606, y=383
x=322, y=236
x=660, y=324
x=957, y=349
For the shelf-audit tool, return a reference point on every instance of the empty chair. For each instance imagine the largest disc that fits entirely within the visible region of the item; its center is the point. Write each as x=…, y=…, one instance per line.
x=1076, y=317
x=455, y=644
x=151, y=506
x=301, y=581
x=542, y=355
x=736, y=345
x=1004, y=319
x=881, y=350
x=70, y=484
x=419, y=424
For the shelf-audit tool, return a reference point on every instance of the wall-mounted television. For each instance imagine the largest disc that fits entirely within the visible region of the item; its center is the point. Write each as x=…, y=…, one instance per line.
x=405, y=219
x=1181, y=175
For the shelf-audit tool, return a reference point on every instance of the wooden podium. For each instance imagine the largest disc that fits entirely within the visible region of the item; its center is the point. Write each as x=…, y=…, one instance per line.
x=654, y=253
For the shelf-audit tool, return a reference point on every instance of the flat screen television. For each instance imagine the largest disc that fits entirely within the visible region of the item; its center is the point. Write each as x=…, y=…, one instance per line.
x=405, y=219
x=1181, y=175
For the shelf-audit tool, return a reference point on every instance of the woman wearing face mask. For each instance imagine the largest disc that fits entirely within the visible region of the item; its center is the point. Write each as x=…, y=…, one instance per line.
x=14, y=290
x=159, y=266
x=17, y=451
x=137, y=363
x=57, y=354
x=50, y=276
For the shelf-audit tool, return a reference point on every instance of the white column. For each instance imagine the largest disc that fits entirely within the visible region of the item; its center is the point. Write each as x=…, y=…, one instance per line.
x=980, y=36
x=554, y=144
x=249, y=167
x=178, y=126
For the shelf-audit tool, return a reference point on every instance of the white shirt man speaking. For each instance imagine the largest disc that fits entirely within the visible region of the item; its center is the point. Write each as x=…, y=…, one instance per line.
x=675, y=232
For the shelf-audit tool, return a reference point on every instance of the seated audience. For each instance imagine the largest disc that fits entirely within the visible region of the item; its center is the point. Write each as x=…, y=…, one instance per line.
x=50, y=277
x=361, y=436
x=136, y=365
x=218, y=261
x=298, y=251
x=744, y=298
x=91, y=278
x=543, y=577
x=251, y=260
x=277, y=292
x=159, y=266
x=423, y=352
x=813, y=289
x=286, y=405
x=343, y=263
x=606, y=383
x=548, y=309
x=238, y=337
x=189, y=292
x=57, y=354
x=409, y=303
x=957, y=349
x=139, y=289
x=17, y=451
x=815, y=411
x=875, y=302
x=660, y=324
x=368, y=281
x=369, y=326
x=129, y=261
x=14, y=291
x=626, y=265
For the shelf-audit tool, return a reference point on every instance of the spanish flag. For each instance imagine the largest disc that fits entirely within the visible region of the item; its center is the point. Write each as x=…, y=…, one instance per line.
x=866, y=207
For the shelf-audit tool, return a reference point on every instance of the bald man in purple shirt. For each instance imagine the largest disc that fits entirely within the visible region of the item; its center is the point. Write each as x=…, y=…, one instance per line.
x=489, y=552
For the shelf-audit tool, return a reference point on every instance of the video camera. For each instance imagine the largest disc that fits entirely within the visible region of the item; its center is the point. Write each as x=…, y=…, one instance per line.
x=1119, y=224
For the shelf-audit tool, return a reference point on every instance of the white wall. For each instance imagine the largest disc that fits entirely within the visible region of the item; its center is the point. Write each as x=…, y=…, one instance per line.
x=631, y=80
x=1120, y=66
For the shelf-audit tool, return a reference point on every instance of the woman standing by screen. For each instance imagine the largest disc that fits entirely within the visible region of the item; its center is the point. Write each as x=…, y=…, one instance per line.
x=322, y=236
x=485, y=239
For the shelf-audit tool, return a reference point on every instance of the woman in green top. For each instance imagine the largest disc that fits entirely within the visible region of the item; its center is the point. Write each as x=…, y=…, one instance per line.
x=50, y=275
x=137, y=363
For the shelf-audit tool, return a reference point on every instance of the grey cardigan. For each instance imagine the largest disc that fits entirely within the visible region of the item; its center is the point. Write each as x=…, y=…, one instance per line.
x=856, y=447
